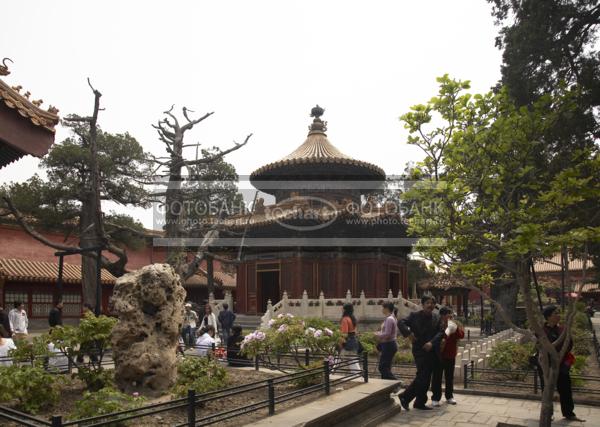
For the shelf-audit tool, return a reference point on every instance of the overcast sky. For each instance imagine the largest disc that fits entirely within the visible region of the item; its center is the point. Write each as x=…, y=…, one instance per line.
x=259, y=65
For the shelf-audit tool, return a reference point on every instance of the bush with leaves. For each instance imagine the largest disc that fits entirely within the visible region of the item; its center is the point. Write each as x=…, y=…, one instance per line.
x=512, y=356
x=202, y=374
x=308, y=380
x=319, y=323
x=103, y=402
x=30, y=388
x=92, y=336
x=34, y=352
x=289, y=334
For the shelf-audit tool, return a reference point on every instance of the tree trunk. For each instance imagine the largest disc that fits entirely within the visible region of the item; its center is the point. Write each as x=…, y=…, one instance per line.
x=88, y=239
x=547, y=408
x=505, y=293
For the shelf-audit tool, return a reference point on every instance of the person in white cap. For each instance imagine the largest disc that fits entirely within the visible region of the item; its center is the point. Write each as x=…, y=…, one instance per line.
x=453, y=332
x=190, y=321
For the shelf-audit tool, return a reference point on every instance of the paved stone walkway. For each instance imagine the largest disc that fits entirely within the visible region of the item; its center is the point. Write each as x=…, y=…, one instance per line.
x=473, y=411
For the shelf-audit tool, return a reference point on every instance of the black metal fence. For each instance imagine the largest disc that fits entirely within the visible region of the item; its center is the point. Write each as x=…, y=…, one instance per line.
x=344, y=370
x=525, y=381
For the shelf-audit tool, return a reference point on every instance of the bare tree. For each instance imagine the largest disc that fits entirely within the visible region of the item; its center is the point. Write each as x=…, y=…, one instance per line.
x=172, y=134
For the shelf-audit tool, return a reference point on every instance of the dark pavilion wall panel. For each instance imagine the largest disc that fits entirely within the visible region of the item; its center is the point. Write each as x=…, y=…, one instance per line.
x=327, y=278
x=308, y=280
x=366, y=279
x=288, y=267
x=345, y=277
x=251, y=288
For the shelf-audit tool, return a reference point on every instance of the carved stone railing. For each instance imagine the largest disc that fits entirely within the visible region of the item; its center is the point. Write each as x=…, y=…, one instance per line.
x=331, y=308
x=217, y=304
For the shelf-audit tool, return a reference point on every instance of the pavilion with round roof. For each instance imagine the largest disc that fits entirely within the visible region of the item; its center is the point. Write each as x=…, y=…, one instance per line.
x=324, y=233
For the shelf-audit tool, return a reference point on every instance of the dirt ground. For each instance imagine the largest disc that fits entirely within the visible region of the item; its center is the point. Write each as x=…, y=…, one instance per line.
x=236, y=377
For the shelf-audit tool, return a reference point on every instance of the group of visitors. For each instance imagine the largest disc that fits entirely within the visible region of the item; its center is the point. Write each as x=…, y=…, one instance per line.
x=193, y=328
x=205, y=335
x=434, y=338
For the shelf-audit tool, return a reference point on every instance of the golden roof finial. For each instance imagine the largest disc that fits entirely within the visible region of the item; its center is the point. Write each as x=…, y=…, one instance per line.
x=4, y=68
x=318, y=125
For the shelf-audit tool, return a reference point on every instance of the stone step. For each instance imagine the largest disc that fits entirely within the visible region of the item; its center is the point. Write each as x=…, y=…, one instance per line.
x=360, y=403
x=374, y=415
x=247, y=321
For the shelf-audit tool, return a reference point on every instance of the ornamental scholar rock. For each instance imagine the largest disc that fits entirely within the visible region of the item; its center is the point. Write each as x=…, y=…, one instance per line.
x=149, y=304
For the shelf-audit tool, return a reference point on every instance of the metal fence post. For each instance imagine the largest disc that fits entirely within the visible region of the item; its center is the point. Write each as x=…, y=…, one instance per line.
x=56, y=421
x=468, y=335
x=326, y=374
x=472, y=369
x=271, y=397
x=365, y=366
x=535, y=381
x=256, y=362
x=307, y=357
x=465, y=375
x=191, y=408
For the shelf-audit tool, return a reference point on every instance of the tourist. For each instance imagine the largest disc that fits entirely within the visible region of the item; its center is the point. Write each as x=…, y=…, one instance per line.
x=6, y=345
x=423, y=329
x=349, y=342
x=190, y=320
x=55, y=315
x=18, y=320
x=553, y=331
x=387, y=344
x=209, y=318
x=453, y=331
x=205, y=341
x=5, y=330
x=226, y=319
x=234, y=345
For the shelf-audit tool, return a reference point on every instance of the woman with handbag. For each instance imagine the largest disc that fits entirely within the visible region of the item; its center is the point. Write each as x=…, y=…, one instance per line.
x=349, y=341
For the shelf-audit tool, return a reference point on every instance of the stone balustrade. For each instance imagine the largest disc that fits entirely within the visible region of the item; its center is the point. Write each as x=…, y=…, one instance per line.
x=331, y=308
x=479, y=352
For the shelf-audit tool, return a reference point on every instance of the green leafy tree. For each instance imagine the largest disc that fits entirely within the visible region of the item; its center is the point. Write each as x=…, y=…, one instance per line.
x=87, y=168
x=504, y=201
x=548, y=45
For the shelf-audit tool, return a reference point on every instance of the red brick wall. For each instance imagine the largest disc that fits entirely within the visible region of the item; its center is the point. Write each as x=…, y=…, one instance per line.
x=16, y=243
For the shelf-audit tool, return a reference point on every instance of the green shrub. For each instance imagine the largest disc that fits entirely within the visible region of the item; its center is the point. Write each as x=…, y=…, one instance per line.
x=289, y=334
x=404, y=357
x=32, y=388
x=308, y=380
x=92, y=335
x=103, y=402
x=369, y=343
x=577, y=369
x=581, y=341
x=511, y=356
x=201, y=374
x=318, y=323
x=34, y=351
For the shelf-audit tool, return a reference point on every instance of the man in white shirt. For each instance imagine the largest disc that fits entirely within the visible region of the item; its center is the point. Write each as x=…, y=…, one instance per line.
x=205, y=341
x=18, y=320
x=6, y=345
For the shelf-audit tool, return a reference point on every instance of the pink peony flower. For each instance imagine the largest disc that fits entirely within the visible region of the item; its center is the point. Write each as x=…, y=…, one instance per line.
x=318, y=333
x=328, y=332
